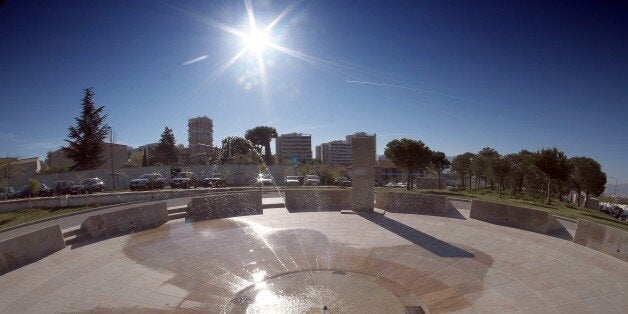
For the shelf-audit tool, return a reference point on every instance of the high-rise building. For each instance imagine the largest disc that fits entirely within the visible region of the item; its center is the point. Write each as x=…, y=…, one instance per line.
x=337, y=153
x=319, y=153
x=200, y=135
x=340, y=152
x=294, y=145
x=349, y=138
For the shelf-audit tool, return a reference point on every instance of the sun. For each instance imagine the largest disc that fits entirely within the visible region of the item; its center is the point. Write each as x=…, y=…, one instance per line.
x=256, y=40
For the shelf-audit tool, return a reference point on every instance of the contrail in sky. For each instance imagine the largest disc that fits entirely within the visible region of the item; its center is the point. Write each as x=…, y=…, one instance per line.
x=195, y=60
x=406, y=87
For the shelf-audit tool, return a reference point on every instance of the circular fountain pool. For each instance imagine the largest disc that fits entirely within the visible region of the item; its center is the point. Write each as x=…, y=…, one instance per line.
x=315, y=292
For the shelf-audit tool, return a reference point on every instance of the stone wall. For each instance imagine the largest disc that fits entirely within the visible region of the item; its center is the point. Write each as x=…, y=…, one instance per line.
x=414, y=203
x=225, y=205
x=318, y=200
x=607, y=240
x=515, y=216
x=126, y=220
x=25, y=249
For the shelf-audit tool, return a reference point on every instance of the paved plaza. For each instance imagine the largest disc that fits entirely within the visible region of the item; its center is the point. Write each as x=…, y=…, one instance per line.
x=301, y=262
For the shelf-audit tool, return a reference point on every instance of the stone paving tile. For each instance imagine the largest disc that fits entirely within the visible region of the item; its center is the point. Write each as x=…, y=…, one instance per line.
x=200, y=266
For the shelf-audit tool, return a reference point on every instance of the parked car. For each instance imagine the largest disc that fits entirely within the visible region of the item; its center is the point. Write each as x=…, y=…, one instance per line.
x=312, y=179
x=264, y=179
x=87, y=186
x=148, y=181
x=6, y=192
x=26, y=191
x=389, y=185
x=401, y=185
x=215, y=180
x=49, y=190
x=292, y=181
x=63, y=187
x=343, y=181
x=184, y=180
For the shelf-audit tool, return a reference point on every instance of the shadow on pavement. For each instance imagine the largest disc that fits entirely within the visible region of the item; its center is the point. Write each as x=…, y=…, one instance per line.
x=426, y=241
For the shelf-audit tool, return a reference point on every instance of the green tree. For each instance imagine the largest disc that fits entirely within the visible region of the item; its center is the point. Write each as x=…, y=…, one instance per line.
x=587, y=176
x=501, y=168
x=439, y=162
x=477, y=169
x=33, y=186
x=166, y=151
x=488, y=156
x=554, y=164
x=461, y=164
x=8, y=169
x=410, y=155
x=136, y=159
x=86, y=143
x=234, y=148
x=262, y=135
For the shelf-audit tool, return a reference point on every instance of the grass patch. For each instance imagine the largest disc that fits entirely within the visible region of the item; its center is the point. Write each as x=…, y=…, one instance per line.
x=557, y=207
x=9, y=219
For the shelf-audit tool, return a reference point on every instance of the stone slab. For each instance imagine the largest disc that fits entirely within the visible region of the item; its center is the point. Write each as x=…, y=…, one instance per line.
x=515, y=216
x=414, y=203
x=125, y=221
x=225, y=205
x=608, y=240
x=318, y=200
x=25, y=249
x=363, y=172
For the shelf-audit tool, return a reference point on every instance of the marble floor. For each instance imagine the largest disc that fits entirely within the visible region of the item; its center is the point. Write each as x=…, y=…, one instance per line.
x=302, y=262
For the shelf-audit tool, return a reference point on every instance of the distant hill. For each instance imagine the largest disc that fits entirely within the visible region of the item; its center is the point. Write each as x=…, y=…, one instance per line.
x=622, y=189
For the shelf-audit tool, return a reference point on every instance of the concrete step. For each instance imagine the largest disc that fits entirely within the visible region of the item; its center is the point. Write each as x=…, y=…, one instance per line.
x=177, y=209
x=71, y=239
x=71, y=231
x=273, y=205
x=177, y=215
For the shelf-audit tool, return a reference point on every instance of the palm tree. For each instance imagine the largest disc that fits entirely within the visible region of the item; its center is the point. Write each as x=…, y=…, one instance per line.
x=262, y=135
x=554, y=164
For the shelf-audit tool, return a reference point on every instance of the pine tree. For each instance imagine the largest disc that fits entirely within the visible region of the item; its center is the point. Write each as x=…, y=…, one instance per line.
x=86, y=145
x=166, y=152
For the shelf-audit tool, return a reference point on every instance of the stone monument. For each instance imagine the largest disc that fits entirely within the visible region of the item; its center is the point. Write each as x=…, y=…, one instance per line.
x=363, y=173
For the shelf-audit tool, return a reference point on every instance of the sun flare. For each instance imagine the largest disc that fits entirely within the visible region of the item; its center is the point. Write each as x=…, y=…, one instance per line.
x=255, y=41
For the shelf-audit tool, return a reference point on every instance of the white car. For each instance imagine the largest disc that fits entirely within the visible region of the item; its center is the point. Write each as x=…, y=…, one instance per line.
x=389, y=185
x=312, y=179
x=401, y=185
x=292, y=180
x=264, y=179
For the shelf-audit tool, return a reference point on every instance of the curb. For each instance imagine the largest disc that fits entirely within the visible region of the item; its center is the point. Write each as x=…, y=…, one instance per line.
x=459, y=199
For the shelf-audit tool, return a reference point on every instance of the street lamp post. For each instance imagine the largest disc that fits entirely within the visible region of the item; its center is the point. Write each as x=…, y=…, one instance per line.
x=113, y=178
x=615, y=188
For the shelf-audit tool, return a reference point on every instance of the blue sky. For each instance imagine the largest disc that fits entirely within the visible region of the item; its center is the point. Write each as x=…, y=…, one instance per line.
x=458, y=75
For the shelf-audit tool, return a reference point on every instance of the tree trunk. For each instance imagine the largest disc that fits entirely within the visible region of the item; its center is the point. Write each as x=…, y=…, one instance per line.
x=409, y=180
x=463, y=178
x=470, y=183
x=578, y=196
x=439, y=179
x=549, y=183
x=268, y=155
